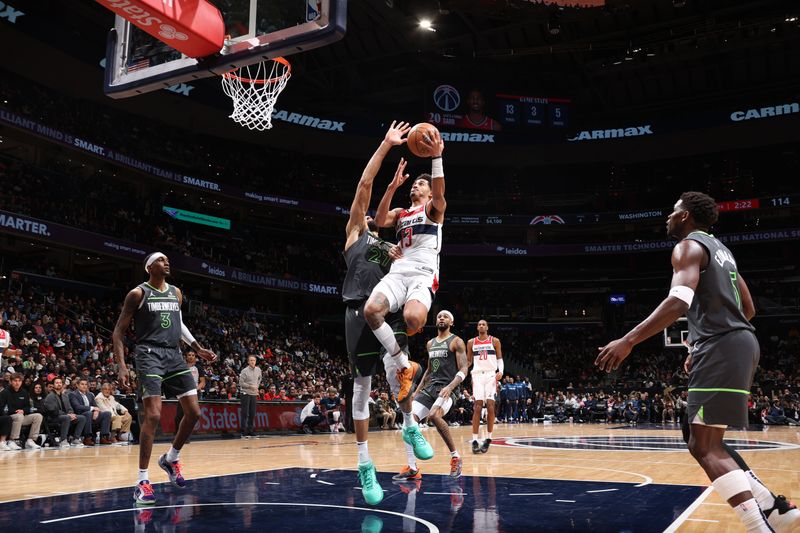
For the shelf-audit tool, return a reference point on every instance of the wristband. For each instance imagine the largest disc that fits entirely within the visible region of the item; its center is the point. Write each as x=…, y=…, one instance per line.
x=437, y=168
x=461, y=375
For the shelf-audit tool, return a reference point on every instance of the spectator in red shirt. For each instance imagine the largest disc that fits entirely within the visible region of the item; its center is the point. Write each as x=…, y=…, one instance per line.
x=270, y=395
x=46, y=349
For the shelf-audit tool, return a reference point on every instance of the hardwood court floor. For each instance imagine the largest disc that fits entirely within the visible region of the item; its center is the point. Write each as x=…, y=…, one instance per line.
x=581, y=452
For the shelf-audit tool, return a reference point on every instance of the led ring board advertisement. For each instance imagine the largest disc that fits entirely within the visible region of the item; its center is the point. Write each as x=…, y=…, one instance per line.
x=465, y=107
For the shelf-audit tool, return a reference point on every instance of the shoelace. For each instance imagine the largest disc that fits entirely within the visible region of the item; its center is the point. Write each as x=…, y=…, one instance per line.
x=146, y=489
x=176, y=466
x=366, y=479
x=417, y=437
x=454, y=464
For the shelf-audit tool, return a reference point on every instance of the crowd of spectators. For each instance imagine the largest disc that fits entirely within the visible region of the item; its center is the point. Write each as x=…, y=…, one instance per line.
x=61, y=342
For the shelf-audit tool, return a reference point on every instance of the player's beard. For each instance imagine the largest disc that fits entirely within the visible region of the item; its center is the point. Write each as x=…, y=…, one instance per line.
x=442, y=327
x=372, y=226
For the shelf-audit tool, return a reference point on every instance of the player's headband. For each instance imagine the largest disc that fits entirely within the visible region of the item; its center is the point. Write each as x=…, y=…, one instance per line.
x=448, y=313
x=152, y=259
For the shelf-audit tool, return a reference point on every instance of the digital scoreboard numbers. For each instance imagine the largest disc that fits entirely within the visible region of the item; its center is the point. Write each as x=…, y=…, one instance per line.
x=457, y=107
x=509, y=113
x=535, y=113
x=558, y=115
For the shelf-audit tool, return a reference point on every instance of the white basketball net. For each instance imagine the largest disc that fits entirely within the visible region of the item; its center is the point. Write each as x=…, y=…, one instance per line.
x=254, y=90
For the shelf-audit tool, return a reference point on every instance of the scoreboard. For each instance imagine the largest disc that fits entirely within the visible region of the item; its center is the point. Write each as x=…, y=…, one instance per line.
x=453, y=107
x=529, y=111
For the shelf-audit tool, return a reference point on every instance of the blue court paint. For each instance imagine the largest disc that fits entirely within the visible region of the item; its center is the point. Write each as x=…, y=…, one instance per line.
x=631, y=443
x=291, y=500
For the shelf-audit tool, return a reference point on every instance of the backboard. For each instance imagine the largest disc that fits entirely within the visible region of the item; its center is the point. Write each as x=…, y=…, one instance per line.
x=675, y=334
x=138, y=63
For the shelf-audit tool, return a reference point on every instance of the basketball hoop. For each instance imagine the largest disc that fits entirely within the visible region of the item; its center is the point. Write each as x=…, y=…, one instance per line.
x=254, y=90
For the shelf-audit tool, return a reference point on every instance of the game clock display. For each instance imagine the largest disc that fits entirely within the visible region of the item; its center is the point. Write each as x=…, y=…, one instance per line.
x=471, y=108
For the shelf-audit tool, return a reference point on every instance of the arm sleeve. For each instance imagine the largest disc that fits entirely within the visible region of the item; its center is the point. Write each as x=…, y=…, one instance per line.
x=500, y=365
x=186, y=335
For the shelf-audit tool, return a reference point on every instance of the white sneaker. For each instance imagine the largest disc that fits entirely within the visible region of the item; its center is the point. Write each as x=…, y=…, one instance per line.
x=29, y=444
x=784, y=517
x=64, y=444
x=3, y=446
x=11, y=445
x=77, y=443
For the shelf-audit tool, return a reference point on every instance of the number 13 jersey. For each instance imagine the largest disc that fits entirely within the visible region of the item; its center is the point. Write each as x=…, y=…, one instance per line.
x=419, y=237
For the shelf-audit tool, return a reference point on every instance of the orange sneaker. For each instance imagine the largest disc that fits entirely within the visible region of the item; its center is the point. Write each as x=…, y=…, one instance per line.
x=406, y=378
x=406, y=474
x=455, y=467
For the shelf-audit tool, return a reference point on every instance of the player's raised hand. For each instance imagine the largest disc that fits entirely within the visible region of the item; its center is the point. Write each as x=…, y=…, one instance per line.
x=399, y=176
x=396, y=133
x=434, y=142
x=613, y=354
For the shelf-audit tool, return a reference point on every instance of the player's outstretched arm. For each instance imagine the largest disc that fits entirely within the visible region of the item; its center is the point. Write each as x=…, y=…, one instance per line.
x=132, y=302
x=360, y=205
x=687, y=258
x=385, y=217
x=438, y=203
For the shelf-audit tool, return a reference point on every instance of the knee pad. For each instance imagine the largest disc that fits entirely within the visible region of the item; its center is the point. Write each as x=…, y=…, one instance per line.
x=361, y=388
x=419, y=410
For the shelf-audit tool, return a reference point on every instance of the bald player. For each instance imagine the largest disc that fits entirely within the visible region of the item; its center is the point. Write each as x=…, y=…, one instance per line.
x=487, y=369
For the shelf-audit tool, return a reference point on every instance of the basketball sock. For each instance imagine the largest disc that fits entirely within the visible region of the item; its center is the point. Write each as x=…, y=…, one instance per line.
x=454, y=454
x=401, y=360
x=475, y=437
x=144, y=475
x=765, y=498
x=173, y=454
x=332, y=426
x=412, y=459
x=752, y=517
x=489, y=435
x=363, y=452
x=408, y=420
x=385, y=335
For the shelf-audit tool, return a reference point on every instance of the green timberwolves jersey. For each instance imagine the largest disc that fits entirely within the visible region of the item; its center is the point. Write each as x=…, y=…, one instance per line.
x=717, y=304
x=157, y=322
x=367, y=262
x=442, y=361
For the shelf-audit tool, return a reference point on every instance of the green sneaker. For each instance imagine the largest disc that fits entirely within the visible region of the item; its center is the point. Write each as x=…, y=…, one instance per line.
x=413, y=436
x=370, y=488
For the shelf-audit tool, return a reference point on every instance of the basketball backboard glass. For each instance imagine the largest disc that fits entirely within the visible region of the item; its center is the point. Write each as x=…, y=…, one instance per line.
x=675, y=334
x=255, y=30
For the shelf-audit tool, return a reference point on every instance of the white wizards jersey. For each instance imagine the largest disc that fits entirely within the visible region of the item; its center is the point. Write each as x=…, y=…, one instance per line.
x=419, y=237
x=484, y=356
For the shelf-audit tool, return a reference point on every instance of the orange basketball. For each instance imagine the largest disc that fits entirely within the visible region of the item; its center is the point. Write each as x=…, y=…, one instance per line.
x=418, y=135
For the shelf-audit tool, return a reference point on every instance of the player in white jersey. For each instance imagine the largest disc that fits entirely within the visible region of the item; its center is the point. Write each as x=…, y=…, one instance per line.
x=414, y=276
x=487, y=369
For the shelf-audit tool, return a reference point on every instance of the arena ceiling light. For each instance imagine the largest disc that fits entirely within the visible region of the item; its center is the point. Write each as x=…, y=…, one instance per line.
x=426, y=24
